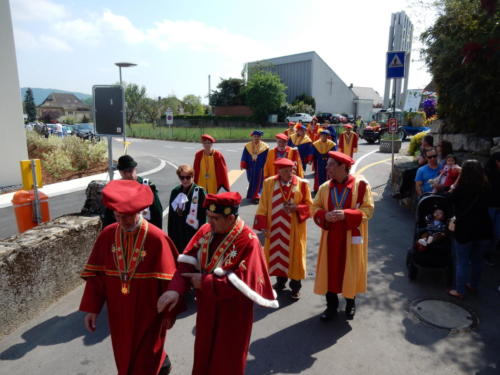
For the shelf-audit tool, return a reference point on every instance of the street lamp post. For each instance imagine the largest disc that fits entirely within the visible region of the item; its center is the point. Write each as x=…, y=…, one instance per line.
x=121, y=65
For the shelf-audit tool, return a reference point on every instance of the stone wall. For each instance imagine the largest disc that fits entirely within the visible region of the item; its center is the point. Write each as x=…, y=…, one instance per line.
x=42, y=265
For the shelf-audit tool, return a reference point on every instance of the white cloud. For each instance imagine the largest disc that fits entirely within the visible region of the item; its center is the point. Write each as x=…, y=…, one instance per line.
x=29, y=10
x=78, y=29
x=53, y=43
x=122, y=24
x=26, y=40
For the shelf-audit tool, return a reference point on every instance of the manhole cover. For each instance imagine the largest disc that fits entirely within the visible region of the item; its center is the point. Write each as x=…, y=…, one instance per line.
x=443, y=314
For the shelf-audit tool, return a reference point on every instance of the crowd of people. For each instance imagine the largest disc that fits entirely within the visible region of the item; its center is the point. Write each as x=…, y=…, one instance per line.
x=473, y=192
x=143, y=273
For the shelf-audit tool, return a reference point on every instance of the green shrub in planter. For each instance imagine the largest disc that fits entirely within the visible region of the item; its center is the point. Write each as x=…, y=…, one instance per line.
x=386, y=142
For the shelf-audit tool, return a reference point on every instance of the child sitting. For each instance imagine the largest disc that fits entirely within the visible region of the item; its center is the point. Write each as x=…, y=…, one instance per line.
x=434, y=231
x=448, y=175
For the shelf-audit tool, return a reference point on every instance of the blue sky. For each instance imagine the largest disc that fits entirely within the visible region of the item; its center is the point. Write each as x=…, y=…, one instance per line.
x=72, y=44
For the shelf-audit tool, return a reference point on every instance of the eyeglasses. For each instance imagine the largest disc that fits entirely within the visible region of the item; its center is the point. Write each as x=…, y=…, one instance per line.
x=185, y=177
x=431, y=156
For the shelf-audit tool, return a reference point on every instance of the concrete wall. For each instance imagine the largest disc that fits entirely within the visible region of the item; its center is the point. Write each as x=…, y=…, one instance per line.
x=330, y=92
x=42, y=265
x=12, y=135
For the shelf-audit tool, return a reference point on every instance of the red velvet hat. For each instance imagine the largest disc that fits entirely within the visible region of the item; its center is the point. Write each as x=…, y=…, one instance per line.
x=348, y=126
x=127, y=196
x=281, y=136
x=300, y=126
x=283, y=163
x=207, y=137
x=290, y=123
x=223, y=203
x=341, y=157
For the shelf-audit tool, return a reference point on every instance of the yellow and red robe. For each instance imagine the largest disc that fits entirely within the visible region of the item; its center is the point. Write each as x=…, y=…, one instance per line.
x=210, y=171
x=348, y=144
x=343, y=252
x=286, y=238
x=289, y=153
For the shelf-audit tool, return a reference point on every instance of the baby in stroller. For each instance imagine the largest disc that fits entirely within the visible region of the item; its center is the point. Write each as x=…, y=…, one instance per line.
x=434, y=231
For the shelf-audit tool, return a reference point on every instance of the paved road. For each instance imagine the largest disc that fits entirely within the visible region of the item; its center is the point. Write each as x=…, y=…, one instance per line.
x=382, y=339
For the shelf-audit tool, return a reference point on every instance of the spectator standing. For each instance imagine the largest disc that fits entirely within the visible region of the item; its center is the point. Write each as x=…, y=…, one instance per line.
x=186, y=213
x=472, y=233
x=444, y=148
x=426, y=173
x=127, y=167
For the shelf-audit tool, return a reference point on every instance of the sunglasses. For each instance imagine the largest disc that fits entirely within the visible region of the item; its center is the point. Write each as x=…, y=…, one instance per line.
x=431, y=156
x=185, y=177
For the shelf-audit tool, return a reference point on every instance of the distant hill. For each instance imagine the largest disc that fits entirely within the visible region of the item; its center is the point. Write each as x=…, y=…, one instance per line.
x=40, y=94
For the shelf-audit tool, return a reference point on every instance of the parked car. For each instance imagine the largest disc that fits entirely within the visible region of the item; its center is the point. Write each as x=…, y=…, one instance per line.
x=324, y=116
x=349, y=117
x=67, y=130
x=337, y=118
x=85, y=131
x=296, y=117
x=409, y=130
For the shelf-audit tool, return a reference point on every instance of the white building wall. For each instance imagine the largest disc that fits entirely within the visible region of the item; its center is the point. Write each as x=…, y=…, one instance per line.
x=364, y=109
x=331, y=93
x=12, y=134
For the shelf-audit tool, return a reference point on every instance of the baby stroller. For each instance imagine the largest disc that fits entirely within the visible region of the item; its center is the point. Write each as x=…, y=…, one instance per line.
x=438, y=253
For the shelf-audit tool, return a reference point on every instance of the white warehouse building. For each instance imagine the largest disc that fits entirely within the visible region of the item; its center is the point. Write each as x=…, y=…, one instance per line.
x=307, y=73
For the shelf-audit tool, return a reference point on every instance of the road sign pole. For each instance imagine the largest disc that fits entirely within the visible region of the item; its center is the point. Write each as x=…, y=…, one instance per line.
x=37, y=212
x=110, y=158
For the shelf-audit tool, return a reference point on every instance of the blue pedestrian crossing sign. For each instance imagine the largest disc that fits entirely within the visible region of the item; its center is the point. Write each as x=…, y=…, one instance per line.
x=396, y=64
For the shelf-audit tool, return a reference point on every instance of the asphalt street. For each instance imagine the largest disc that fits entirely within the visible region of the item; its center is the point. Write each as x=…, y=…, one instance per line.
x=382, y=339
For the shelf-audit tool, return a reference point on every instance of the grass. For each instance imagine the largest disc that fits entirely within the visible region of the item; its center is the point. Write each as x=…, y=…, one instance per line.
x=192, y=134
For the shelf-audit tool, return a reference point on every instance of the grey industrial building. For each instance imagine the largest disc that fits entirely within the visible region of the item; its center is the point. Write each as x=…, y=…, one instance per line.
x=307, y=73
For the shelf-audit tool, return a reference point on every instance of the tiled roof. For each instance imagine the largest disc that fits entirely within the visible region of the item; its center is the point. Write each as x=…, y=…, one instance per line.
x=368, y=93
x=66, y=101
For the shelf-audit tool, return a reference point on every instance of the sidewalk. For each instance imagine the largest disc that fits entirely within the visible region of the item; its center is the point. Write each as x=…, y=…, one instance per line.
x=77, y=184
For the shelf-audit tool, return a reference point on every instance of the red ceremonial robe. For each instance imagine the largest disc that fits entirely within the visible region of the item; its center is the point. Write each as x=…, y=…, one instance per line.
x=234, y=276
x=220, y=169
x=337, y=232
x=137, y=330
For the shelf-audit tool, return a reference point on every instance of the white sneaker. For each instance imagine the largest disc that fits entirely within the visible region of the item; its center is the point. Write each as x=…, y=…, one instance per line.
x=422, y=242
x=430, y=239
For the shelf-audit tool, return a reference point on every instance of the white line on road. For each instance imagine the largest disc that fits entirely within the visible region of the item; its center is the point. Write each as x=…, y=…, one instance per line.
x=355, y=166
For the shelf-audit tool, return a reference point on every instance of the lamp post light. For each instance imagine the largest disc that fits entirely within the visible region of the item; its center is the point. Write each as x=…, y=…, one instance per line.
x=121, y=65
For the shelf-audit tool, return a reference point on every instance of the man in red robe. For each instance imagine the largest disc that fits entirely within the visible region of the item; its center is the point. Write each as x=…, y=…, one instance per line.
x=210, y=170
x=129, y=267
x=225, y=263
x=342, y=208
x=282, y=151
x=348, y=141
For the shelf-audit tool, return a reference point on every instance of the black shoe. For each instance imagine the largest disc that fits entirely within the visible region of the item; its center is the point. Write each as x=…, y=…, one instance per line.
x=350, y=309
x=166, y=368
x=295, y=295
x=278, y=287
x=328, y=314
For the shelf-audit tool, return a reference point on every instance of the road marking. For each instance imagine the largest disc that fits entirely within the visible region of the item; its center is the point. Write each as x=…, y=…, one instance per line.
x=171, y=164
x=232, y=150
x=355, y=166
x=372, y=165
x=154, y=170
x=234, y=175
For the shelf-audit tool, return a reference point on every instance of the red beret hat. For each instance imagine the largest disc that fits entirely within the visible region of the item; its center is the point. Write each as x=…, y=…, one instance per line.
x=341, y=157
x=223, y=203
x=281, y=136
x=348, y=126
x=300, y=126
x=290, y=123
x=127, y=196
x=208, y=137
x=283, y=163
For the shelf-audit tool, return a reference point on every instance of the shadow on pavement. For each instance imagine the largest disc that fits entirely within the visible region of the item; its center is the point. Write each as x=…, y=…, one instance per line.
x=293, y=347
x=58, y=330
x=390, y=292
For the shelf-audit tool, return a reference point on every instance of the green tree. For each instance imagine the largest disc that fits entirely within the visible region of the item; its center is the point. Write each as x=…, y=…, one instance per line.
x=172, y=102
x=462, y=53
x=306, y=99
x=300, y=107
x=192, y=105
x=134, y=97
x=29, y=105
x=265, y=94
x=230, y=92
x=152, y=110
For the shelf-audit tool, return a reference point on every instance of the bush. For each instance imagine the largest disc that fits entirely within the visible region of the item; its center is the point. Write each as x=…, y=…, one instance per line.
x=57, y=162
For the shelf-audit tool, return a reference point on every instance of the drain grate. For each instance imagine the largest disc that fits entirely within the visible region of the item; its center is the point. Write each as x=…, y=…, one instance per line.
x=443, y=314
